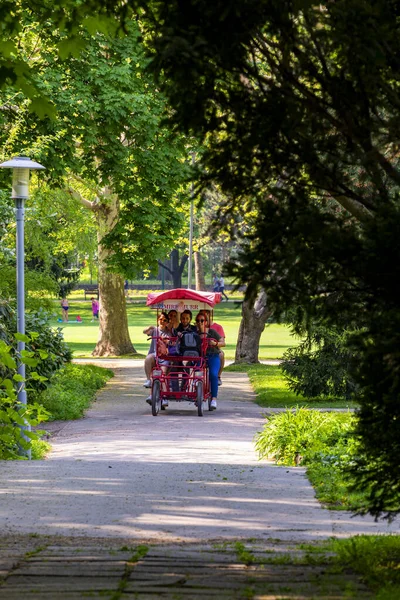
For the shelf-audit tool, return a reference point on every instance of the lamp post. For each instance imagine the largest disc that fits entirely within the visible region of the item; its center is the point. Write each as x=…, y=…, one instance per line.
x=21, y=166
x=190, y=243
x=191, y=232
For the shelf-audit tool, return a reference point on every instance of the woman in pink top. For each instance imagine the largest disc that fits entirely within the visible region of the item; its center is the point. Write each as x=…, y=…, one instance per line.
x=95, y=309
x=220, y=330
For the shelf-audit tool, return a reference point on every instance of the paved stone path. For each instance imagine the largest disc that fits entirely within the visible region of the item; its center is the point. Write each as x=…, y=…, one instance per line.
x=73, y=569
x=177, y=482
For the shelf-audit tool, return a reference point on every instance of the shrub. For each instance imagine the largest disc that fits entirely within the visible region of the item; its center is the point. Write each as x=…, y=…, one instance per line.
x=306, y=433
x=327, y=445
x=72, y=389
x=49, y=342
x=14, y=416
x=320, y=365
x=39, y=449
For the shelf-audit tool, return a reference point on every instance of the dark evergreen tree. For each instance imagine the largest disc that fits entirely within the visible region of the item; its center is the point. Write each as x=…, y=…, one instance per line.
x=298, y=105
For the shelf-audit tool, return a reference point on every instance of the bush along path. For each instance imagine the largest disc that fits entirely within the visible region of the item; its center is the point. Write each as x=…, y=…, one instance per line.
x=122, y=479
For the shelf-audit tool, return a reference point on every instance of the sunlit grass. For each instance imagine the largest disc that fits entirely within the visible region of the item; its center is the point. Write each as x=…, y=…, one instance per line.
x=82, y=337
x=272, y=391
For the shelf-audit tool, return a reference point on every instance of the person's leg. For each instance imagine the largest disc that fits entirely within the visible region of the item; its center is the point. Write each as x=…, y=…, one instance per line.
x=213, y=368
x=222, y=364
x=184, y=377
x=173, y=374
x=149, y=363
x=164, y=386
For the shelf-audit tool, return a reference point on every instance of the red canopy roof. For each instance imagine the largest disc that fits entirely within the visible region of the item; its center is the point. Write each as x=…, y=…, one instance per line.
x=210, y=298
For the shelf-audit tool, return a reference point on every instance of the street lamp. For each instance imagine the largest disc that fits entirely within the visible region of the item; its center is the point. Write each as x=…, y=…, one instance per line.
x=190, y=242
x=191, y=232
x=20, y=192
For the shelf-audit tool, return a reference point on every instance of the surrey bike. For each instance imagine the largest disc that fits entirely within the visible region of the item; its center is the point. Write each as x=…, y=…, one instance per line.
x=180, y=375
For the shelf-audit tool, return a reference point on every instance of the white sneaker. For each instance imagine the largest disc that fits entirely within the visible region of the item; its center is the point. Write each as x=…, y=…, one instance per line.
x=148, y=399
x=164, y=402
x=147, y=383
x=213, y=404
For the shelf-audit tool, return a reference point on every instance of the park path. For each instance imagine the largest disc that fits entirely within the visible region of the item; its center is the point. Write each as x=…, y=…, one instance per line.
x=184, y=485
x=175, y=477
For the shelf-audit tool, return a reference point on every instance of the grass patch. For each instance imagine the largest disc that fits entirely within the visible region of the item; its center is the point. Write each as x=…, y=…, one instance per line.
x=331, y=486
x=39, y=449
x=376, y=558
x=72, y=389
x=272, y=391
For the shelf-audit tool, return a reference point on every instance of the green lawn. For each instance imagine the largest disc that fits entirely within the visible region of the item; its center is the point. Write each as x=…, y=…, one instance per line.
x=272, y=391
x=82, y=337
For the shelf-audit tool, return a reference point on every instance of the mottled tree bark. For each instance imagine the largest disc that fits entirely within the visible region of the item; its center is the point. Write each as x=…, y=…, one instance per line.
x=254, y=316
x=199, y=271
x=113, y=321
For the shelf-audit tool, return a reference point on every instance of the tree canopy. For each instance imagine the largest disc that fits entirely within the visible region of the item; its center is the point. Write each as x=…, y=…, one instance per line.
x=298, y=105
x=106, y=132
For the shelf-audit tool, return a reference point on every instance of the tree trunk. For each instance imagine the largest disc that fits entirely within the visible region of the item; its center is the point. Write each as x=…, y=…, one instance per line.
x=199, y=271
x=254, y=317
x=164, y=265
x=176, y=268
x=113, y=331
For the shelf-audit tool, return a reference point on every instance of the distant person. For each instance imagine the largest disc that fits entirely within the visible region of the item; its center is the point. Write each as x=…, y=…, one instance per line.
x=215, y=283
x=222, y=287
x=126, y=288
x=64, y=309
x=95, y=309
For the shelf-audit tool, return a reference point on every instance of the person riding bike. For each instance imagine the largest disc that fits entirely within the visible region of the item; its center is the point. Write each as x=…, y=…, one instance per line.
x=215, y=341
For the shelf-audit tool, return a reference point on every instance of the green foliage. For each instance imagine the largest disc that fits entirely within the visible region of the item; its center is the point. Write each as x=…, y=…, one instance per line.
x=328, y=474
x=325, y=442
x=43, y=342
x=47, y=254
x=40, y=449
x=304, y=432
x=54, y=351
x=376, y=558
x=15, y=417
x=64, y=15
x=108, y=139
x=320, y=365
x=298, y=108
x=72, y=389
x=6, y=313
